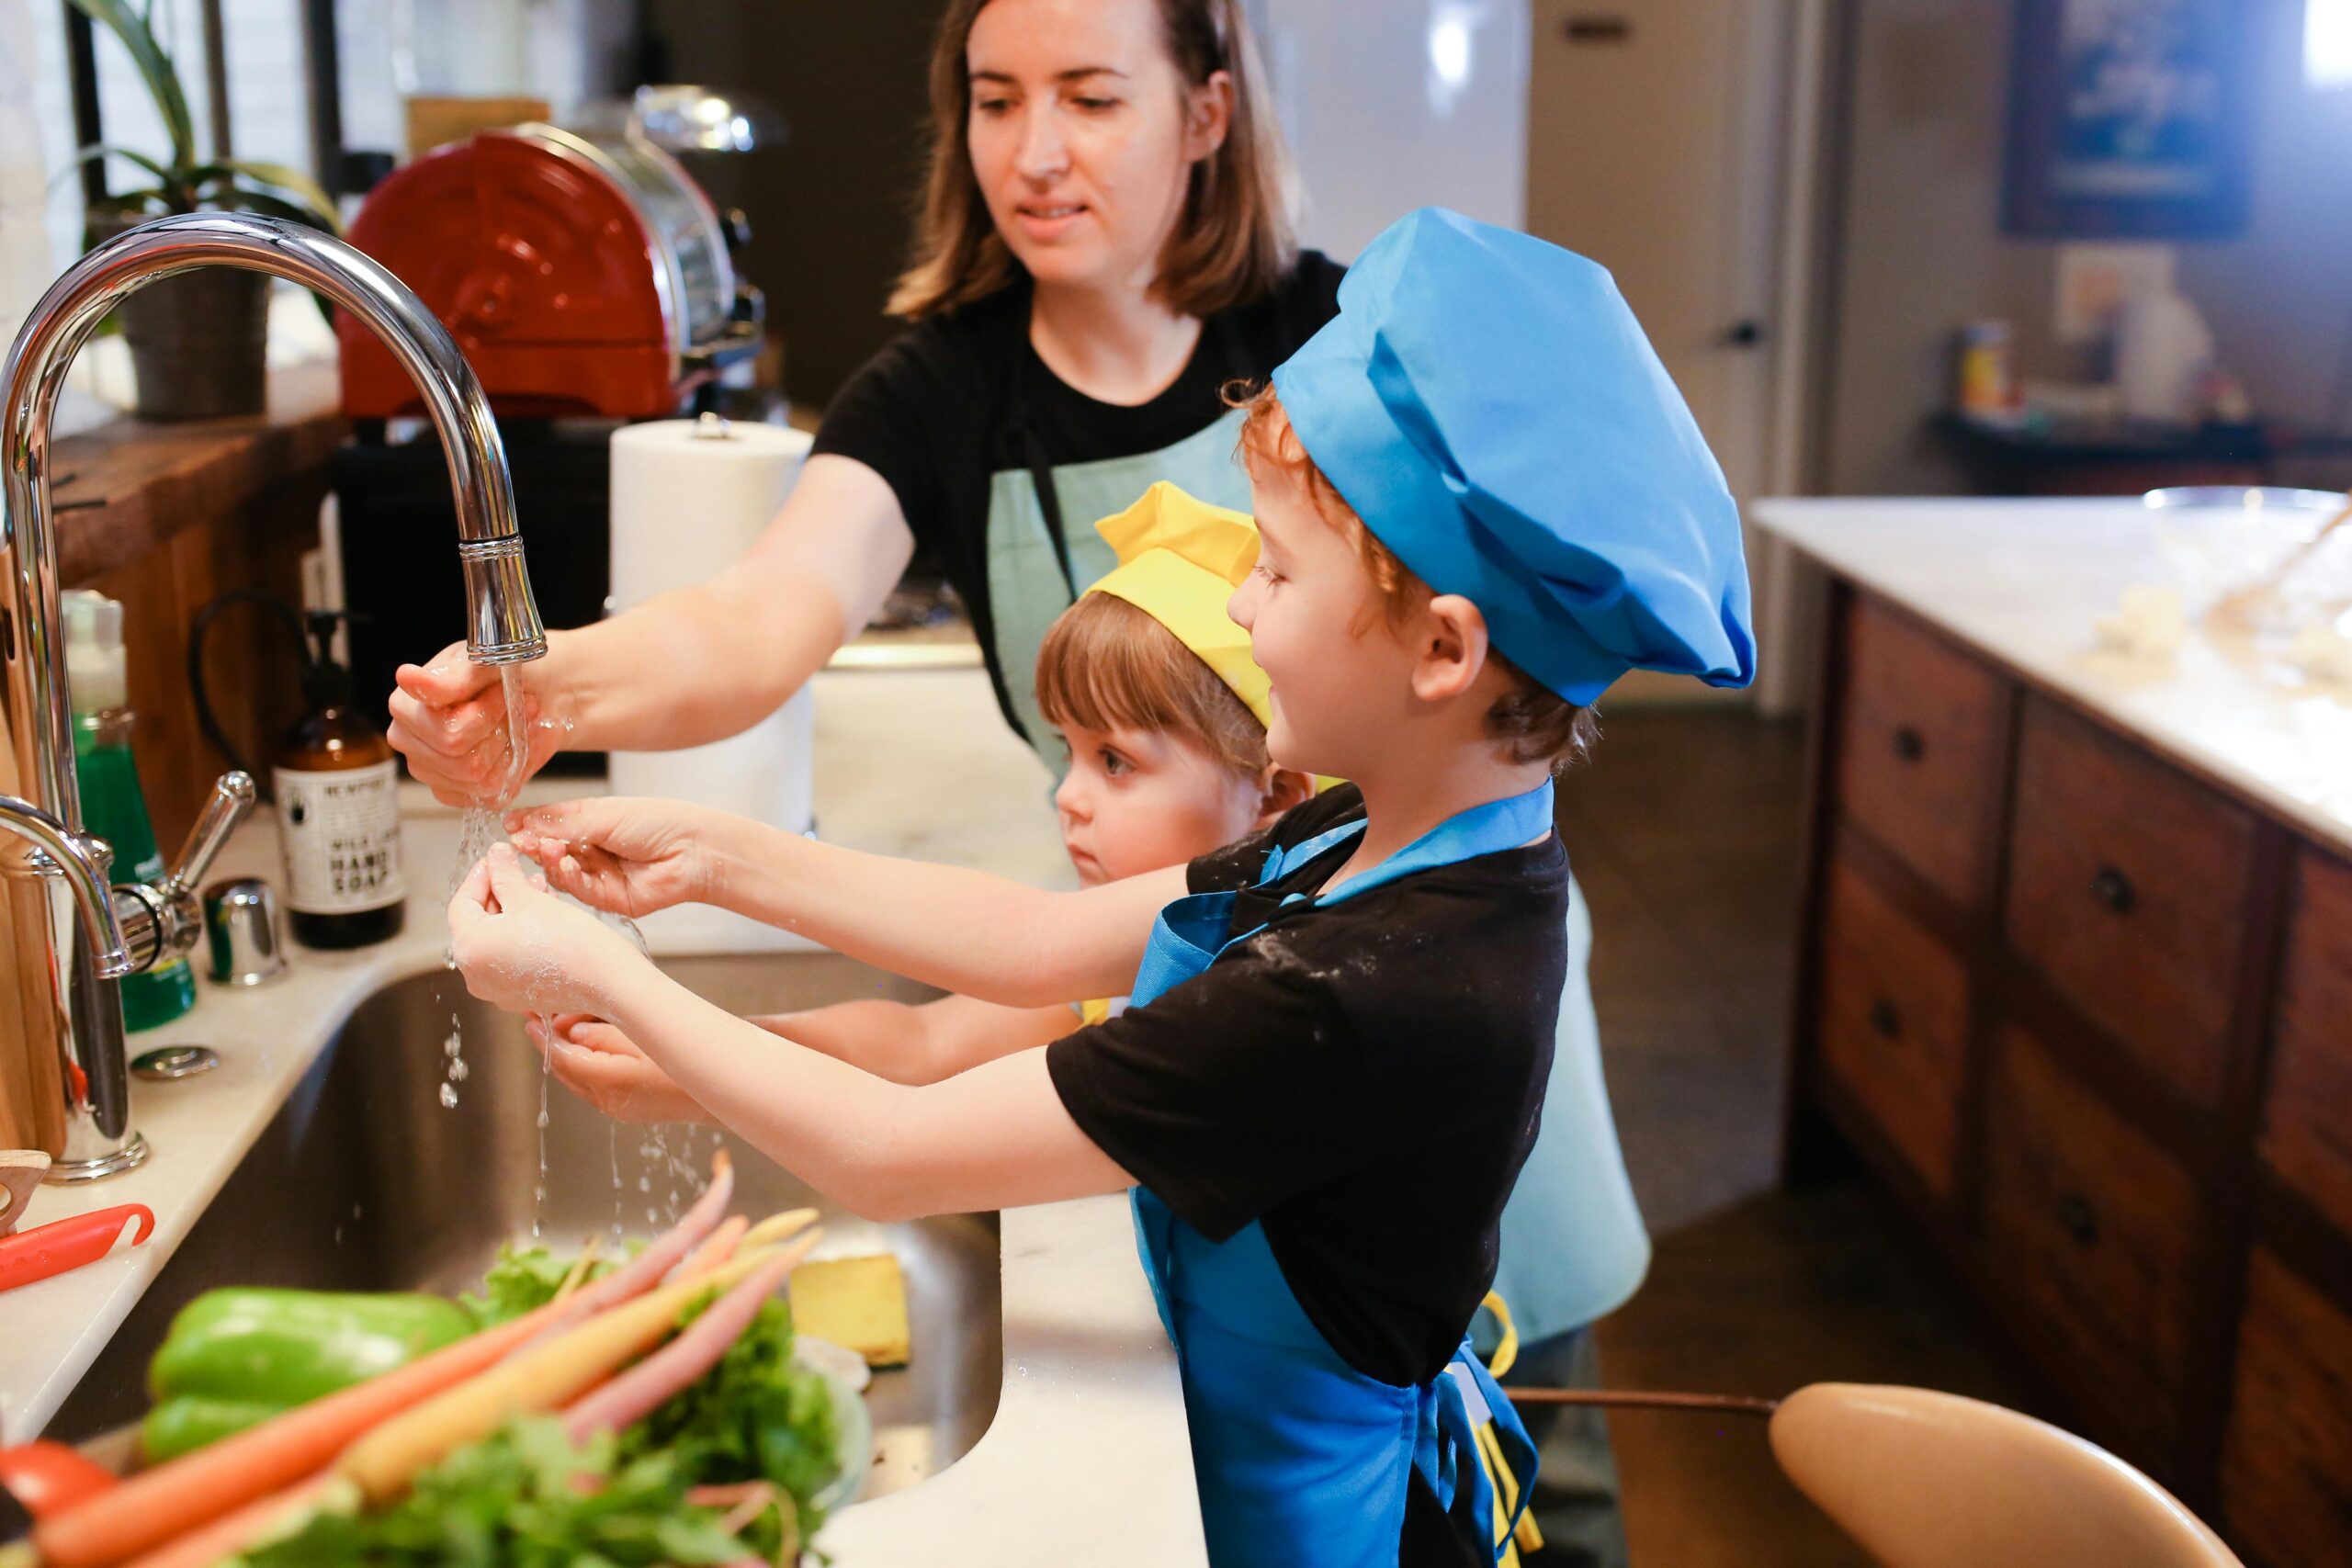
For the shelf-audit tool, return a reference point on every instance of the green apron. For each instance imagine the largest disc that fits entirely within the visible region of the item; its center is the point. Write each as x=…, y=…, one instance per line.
x=1028, y=586
x=1042, y=546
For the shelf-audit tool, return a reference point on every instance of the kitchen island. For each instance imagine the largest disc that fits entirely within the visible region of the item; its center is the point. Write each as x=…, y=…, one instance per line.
x=2075, y=983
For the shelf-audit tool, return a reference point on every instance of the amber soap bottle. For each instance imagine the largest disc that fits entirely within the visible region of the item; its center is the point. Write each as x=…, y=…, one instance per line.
x=336, y=782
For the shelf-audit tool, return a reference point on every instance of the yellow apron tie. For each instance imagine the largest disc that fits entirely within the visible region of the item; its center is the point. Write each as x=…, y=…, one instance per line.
x=1526, y=1536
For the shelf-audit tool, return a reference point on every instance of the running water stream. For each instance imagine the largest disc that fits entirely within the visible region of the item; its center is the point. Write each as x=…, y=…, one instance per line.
x=481, y=826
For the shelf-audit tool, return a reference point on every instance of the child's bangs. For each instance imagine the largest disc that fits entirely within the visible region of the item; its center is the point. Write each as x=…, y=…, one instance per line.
x=1107, y=665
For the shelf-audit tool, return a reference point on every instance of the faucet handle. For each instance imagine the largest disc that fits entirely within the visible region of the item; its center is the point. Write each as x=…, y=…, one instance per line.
x=232, y=796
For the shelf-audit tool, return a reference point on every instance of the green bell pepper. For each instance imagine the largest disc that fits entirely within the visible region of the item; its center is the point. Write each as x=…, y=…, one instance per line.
x=238, y=1356
x=189, y=1421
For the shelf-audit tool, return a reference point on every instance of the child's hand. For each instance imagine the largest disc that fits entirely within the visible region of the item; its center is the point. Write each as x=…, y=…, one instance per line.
x=631, y=857
x=524, y=950
x=603, y=1067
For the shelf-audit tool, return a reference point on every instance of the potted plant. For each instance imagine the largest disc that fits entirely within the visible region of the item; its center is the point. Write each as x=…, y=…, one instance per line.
x=198, y=341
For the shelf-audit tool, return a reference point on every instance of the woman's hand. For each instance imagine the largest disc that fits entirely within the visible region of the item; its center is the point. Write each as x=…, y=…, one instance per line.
x=605, y=1067
x=450, y=720
x=630, y=856
x=523, y=949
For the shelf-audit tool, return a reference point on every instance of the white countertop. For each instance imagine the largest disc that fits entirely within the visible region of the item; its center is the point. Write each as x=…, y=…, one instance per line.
x=1087, y=1460
x=2025, y=581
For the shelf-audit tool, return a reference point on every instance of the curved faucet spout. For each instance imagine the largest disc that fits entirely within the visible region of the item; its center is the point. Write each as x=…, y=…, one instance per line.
x=502, y=626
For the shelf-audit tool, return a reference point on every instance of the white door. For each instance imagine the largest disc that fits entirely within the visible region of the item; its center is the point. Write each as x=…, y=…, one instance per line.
x=1654, y=129
x=1390, y=105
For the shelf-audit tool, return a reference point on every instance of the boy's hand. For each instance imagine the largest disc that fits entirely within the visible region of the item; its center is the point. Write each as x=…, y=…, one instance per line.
x=524, y=950
x=603, y=1067
x=631, y=857
x=449, y=721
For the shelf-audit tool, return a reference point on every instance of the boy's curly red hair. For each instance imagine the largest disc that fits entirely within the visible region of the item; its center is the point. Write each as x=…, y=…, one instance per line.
x=1537, y=724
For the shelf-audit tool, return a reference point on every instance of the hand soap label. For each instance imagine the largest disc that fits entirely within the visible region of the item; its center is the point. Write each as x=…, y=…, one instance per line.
x=342, y=836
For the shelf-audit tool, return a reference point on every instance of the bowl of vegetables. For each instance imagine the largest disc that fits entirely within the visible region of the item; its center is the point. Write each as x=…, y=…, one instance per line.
x=645, y=1409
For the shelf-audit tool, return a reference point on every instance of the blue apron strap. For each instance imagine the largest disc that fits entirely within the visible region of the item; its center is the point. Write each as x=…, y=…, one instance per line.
x=1281, y=863
x=1481, y=831
x=1461, y=1400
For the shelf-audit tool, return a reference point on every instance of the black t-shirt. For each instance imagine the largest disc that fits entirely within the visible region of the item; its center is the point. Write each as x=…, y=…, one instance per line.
x=934, y=413
x=1363, y=1080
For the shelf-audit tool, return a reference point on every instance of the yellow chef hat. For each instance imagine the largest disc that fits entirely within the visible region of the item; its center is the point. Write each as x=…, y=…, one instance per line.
x=1179, y=560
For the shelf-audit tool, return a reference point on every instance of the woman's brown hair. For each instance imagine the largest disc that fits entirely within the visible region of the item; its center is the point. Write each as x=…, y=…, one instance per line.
x=1236, y=240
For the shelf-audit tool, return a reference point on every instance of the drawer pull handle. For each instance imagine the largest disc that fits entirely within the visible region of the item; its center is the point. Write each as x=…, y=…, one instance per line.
x=2080, y=1219
x=2113, y=890
x=1910, y=744
x=1885, y=1019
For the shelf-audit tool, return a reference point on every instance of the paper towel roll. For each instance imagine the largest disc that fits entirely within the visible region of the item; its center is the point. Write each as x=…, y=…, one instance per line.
x=688, y=497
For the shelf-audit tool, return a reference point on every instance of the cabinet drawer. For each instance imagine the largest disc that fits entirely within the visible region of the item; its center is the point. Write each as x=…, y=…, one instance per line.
x=2286, y=1455
x=1893, y=1022
x=2094, y=1227
x=2128, y=890
x=2307, y=1121
x=1920, y=747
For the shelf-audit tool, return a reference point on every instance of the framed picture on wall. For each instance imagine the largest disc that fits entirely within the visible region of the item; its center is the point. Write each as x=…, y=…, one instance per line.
x=2128, y=120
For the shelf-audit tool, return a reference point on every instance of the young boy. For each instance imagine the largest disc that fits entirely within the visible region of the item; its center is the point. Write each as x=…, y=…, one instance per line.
x=1480, y=501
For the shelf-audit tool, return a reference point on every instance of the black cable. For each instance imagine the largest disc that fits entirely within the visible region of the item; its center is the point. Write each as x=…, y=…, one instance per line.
x=202, y=629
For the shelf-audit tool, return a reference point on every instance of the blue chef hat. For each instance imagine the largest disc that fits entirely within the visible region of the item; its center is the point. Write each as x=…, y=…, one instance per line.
x=1490, y=407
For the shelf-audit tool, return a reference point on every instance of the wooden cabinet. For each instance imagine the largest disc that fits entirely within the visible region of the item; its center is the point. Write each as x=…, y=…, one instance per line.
x=2287, y=1459
x=1894, y=1024
x=2089, y=1014
x=2092, y=1224
x=2307, y=1115
x=1922, y=725
x=2128, y=886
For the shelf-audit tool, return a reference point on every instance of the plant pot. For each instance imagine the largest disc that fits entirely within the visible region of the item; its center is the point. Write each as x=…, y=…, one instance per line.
x=198, y=341
x=199, y=344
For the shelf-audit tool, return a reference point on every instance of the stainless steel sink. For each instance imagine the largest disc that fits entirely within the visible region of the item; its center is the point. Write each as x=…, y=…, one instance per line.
x=365, y=1180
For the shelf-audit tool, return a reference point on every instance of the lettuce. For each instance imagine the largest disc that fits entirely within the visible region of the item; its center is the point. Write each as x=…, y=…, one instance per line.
x=757, y=1415
x=523, y=1280
x=517, y=1500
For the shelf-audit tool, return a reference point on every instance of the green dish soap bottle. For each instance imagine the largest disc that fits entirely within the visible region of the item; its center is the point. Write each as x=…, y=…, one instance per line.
x=112, y=805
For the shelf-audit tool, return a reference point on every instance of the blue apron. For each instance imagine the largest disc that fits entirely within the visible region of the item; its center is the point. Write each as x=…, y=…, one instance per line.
x=1301, y=1459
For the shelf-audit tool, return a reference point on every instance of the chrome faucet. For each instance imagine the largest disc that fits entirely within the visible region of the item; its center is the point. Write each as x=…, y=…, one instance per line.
x=65, y=936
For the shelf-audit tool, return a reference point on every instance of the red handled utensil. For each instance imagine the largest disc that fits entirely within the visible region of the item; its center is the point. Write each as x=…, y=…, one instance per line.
x=63, y=1245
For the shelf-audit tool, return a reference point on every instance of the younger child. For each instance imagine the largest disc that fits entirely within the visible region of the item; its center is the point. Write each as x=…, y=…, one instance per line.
x=1480, y=501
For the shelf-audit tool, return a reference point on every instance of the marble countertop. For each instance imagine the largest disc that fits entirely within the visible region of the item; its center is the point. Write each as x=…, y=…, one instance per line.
x=1087, y=1460
x=2026, y=580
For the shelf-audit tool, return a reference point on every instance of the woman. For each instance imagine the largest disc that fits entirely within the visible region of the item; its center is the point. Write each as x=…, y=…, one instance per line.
x=1104, y=242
